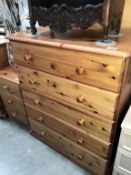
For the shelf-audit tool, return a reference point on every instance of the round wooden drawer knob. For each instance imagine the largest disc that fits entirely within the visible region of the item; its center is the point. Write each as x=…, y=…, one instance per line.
x=31, y=82
x=40, y=119
x=10, y=101
x=36, y=102
x=14, y=114
x=80, y=99
x=80, y=157
x=27, y=57
x=42, y=133
x=5, y=87
x=81, y=122
x=80, y=141
x=80, y=70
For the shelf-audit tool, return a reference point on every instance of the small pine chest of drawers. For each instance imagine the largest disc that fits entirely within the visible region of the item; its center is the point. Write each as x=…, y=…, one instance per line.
x=123, y=157
x=11, y=94
x=74, y=92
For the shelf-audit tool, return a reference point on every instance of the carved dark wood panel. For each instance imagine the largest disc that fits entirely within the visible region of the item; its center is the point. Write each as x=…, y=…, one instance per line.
x=63, y=15
x=61, y=18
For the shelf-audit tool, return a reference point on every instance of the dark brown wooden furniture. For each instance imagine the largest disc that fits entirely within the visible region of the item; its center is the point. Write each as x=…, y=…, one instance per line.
x=3, y=55
x=62, y=15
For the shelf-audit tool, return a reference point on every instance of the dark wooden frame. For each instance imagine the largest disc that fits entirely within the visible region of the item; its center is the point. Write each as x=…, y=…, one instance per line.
x=109, y=18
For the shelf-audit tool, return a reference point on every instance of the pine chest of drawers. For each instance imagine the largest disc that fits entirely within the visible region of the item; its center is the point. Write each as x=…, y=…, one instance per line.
x=74, y=93
x=11, y=94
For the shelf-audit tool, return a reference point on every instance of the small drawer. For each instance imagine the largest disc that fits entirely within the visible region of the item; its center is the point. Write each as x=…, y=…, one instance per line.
x=125, y=140
x=98, y=70
x=123, y=161
x=73, y=151
x=97, y=126
x=87, y=99
x=84, y=139
x=9, y=82
x=14, y=107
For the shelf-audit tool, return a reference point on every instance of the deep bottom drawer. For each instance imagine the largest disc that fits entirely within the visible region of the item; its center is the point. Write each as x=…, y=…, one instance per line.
x=85, y=158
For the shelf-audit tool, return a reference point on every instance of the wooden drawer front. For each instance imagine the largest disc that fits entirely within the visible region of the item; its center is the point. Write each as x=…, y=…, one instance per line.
x=78, y=154
x=99, y=127
x=84, y=98
x=10, y=87
x=93, y=69
x=14, y=107
x=84, y=139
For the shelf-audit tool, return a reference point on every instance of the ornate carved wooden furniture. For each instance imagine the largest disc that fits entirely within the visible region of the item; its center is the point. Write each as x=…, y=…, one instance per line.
x=74, y=94
x=62, y=15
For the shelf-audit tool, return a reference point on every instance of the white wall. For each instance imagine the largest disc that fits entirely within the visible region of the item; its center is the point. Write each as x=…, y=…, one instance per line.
x=24, y=14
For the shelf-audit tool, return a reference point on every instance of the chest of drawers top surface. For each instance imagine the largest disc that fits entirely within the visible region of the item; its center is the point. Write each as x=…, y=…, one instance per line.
x=77, y=40
x=8, y=74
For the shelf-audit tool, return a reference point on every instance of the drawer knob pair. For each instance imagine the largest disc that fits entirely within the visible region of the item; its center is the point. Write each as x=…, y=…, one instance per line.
x=14, y=114
x=80, y=70
x=27, y=57
x=36, y=102
x=5, y=87
x=81, y=122
x=80, y=99
x=80, y=141
x=10, y=101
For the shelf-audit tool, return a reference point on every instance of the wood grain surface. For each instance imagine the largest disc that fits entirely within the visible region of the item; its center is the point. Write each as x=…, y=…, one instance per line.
x=93, y=69
x=87, y=99
x=78, y=154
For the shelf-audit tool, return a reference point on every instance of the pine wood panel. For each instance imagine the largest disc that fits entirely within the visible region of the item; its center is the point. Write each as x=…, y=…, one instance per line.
x=3, y=55
x=86, y=140
x=14, y=107
x=84, y=98
x=93, y=69
x=77, y=40
x=9, y=82
x=99, y=127
x=76, y=153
